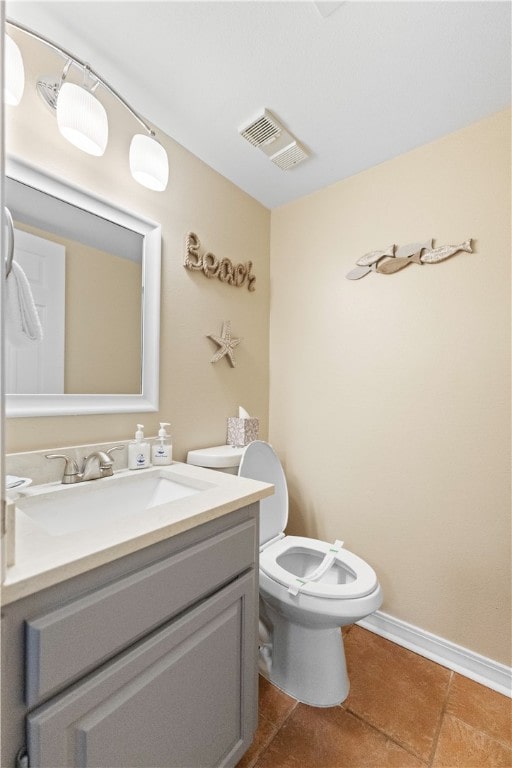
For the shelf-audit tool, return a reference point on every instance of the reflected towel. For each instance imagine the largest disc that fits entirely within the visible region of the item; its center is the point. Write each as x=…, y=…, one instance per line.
x=22, y=322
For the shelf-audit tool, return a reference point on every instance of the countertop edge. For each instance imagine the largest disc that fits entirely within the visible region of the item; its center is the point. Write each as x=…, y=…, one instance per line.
x=16, y=586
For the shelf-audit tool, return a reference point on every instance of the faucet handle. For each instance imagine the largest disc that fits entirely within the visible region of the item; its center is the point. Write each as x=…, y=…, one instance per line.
x=70, y=468
x=115, y=448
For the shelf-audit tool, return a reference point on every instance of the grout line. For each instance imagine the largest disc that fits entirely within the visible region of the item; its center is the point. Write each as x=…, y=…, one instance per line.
x=488, y=735
x=264, y=746
x=292, y=709
x=387, y=736
x=476, y=728
x=348, y=628
x=274, y=734
x=435, y=740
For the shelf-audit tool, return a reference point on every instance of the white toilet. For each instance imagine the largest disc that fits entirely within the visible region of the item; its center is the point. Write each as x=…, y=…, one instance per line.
x=308, y=590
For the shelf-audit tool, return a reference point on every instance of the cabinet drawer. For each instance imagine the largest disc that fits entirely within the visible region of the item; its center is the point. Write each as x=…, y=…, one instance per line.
x=68, y=642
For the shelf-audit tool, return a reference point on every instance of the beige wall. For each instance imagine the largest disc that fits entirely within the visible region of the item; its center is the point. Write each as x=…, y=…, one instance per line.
x=390, y=396
x=195, y=395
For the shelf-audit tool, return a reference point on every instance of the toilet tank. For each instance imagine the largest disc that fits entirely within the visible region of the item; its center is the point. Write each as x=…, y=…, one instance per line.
x=224, y=458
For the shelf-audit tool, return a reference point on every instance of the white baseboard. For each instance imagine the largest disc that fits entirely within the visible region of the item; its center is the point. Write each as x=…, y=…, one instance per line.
x=468, y=663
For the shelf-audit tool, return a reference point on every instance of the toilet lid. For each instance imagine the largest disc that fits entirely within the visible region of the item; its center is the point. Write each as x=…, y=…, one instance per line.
x=260, y=462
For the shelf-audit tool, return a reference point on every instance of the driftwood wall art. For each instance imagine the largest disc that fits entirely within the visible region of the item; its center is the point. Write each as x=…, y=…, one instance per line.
x=211, y=266
x=395, y=258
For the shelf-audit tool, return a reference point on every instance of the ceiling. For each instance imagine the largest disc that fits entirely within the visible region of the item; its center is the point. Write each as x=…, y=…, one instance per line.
x=356, y=82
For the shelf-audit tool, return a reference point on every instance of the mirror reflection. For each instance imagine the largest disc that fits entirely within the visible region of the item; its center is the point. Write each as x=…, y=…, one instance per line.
x=94, y=272
x=85, y=273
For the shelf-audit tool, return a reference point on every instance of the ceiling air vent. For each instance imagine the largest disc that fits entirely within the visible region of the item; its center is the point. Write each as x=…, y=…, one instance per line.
x=289, y=156
x=262, y=130
x=266, y=133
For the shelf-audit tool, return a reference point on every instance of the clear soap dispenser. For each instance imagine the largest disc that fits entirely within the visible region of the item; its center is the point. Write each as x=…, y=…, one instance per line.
x=139, y=454
x=161, y=452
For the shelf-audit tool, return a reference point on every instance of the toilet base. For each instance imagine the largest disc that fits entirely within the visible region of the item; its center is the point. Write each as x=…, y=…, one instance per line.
x=308, y=663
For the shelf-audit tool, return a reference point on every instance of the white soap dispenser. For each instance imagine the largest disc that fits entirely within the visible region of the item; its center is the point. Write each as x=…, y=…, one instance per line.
x=139, y=454
x=161, y=452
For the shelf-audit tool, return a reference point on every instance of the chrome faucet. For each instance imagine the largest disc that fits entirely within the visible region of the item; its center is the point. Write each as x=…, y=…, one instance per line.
x=96, y=465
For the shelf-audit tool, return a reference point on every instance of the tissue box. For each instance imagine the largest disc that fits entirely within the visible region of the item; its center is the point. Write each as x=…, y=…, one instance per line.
x=242, y=431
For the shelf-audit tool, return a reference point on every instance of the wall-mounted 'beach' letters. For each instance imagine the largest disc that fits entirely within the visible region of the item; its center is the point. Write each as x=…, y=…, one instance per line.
x=211, y=266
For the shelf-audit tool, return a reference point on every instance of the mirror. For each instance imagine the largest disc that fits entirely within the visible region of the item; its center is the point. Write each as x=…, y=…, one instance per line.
x=94, y=270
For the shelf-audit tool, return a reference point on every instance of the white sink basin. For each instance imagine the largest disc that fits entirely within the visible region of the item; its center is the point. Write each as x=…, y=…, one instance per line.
x=71, y=508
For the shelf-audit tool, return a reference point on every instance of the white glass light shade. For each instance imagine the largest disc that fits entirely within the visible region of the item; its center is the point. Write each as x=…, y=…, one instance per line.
x=82, y=119
x=14, y=73
x=149, y=164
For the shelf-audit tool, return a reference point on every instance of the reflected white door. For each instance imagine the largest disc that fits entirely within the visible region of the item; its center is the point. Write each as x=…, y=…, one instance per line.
x=38, y=368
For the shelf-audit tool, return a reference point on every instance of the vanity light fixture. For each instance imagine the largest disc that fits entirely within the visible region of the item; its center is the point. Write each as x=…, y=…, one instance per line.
x=14, y=73
x=148, y=162
x=82, y=119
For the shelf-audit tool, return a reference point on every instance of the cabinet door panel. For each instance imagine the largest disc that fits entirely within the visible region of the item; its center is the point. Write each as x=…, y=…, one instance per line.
x=176, y=700
x=64, y=644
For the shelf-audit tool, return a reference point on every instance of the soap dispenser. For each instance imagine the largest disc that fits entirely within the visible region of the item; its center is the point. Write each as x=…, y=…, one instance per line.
x=138, y=450
x=161, y=452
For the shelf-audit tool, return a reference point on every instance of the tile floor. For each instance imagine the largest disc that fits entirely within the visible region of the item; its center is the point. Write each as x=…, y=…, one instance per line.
x=403, y=711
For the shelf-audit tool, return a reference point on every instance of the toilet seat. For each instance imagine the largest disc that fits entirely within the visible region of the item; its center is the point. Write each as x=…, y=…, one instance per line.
x=364, y=583
x=260, y=462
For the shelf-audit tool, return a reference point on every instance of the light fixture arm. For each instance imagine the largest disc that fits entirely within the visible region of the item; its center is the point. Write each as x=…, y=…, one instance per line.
x=72, y=59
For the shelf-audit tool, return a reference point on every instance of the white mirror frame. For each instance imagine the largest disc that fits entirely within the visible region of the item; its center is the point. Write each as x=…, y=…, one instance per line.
x=67, y=405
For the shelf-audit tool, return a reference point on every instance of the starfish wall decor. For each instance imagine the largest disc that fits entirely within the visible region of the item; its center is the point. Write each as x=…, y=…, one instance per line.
x=226, y=344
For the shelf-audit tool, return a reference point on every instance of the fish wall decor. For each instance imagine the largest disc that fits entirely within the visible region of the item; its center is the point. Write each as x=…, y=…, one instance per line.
x=394, y=258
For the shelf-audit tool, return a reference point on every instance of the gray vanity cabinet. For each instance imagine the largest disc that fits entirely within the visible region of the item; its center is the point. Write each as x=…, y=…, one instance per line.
x=174, y=699
x=148, y=662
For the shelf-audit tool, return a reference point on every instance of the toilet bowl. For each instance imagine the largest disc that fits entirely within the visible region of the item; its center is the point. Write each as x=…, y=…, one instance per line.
x=309, y=589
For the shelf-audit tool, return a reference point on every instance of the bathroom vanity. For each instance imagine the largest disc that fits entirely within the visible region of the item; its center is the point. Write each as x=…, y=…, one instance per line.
x=143, y=653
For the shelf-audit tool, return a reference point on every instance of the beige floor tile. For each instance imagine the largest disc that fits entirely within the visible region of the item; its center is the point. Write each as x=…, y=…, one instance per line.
x=461, y=746
x=482, y=708
x=262, y=738
x=332, y=738
x=396, y=690
x=274, y=705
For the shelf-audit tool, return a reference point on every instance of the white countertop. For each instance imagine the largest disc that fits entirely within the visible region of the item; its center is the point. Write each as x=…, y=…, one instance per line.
x=42, y=560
